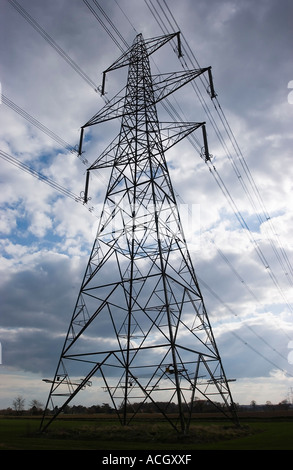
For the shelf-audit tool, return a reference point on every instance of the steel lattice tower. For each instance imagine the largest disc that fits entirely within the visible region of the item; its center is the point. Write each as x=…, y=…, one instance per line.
x=140, y=323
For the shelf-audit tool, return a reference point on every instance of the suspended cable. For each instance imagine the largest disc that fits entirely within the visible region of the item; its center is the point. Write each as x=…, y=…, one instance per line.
x=224, y=257
x=40, y=176
x=248, y=232
x=282, y=258
x=172, y=111
x=45, y=179
x=238, y=152
x=220, y=181
x=122, y=11
x=242, y=221
x=51, y=134
x=111, y=23
x=229, y=264
x=260, y=354
x=72, y=63
x=102, y=23
x=52, y=43
x=250, y=329
x=62, y=53
x=51, y=182
x=37, y=124
x=218, y=133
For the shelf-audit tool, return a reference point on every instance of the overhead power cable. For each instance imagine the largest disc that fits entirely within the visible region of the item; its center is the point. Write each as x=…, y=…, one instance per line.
x=285, y=262
x=53, y=43
x=111, y=23
x=173, y=111
x=250, y=329
x=248, y=232
x=45, y=179
x=102, y=23
x=218, y=180
x=52, y=135
x=126, y=16
x=187, y=55
x=49, y=181
x=65, y=56
x=122, y=44
x=37, y=124
x=222, y=186
x=14, y=3
x=244, y=283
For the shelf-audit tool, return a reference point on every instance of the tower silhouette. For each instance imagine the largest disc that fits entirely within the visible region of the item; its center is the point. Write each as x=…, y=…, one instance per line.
x=140, y=323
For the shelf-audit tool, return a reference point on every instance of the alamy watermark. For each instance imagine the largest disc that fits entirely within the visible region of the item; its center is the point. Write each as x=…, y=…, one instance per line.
x=147, y=223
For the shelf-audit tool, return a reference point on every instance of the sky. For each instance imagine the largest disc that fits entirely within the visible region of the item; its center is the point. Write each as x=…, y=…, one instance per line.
x=242, y=244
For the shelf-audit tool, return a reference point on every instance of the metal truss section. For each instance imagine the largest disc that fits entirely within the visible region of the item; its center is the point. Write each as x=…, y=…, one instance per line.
x=163, y=85
x=139, y=324
x=150, y=46
x=171, y=133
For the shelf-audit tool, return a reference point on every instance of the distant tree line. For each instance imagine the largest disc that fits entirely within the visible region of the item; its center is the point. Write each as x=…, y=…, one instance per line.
x=200, y=406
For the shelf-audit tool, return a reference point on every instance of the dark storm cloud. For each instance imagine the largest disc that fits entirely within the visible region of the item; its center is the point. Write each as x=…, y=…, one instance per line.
x=36, y=307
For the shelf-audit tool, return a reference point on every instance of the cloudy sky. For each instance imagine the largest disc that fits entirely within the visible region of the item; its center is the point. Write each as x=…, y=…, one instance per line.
x=51, y=63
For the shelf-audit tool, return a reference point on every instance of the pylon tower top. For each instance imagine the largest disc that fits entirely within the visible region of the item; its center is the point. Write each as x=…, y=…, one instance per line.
x=140, y=326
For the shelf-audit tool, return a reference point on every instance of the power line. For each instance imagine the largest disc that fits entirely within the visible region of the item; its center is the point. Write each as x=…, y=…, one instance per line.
x=111, y=23
x=250, y=329
x=49, y=181
x=37, y=123
x=243, y=163
x=235, y=145
x=13, y=2
x=161, y=23
x=62, y=53
x=227, y=194
x=237, y=275
x=218, y=179
x=102, y=23
x=53, y=136
x=36, y=174
x=172, y=111
x=52, y=43
x=126, y=16
x=248, y=232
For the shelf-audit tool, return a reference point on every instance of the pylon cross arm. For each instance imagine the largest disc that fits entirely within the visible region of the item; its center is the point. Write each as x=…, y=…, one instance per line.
x=163, y=86
x=171, y=134
x=151, y=45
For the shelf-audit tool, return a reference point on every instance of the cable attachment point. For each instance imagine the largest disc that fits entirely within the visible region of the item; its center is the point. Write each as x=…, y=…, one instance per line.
x=205, y=154
x=210, y=88
x=206, y=157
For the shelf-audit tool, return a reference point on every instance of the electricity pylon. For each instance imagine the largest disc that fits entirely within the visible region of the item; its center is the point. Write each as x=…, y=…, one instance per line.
x=140, y=322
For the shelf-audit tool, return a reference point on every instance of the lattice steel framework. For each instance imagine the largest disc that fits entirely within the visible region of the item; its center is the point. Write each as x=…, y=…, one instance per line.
x=140, y=323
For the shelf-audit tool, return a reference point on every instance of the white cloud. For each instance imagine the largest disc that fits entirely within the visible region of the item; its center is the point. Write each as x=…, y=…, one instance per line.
x=274, y=388
x=46, y=238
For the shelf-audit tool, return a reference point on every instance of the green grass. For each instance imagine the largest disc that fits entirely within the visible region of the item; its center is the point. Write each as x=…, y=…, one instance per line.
x=100, y=434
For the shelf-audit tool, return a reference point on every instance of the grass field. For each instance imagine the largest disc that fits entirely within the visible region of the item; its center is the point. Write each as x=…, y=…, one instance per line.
x=103, y=434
